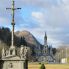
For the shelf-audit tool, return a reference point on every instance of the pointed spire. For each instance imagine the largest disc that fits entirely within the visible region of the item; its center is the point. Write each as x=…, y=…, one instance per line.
x=45, y=36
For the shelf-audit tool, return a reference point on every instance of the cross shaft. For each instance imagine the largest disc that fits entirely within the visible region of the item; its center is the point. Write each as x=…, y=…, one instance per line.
x=13, y=22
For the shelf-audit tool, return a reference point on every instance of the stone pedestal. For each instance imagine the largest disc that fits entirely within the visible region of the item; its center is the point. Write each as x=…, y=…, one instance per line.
x=14, y=64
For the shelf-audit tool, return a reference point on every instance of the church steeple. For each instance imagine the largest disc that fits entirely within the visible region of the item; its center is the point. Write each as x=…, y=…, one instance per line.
x=45, y=39
x=45, y=49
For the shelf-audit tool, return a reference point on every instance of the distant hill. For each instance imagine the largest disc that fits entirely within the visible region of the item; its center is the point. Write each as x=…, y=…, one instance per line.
x=30, y=39
x=5, y=35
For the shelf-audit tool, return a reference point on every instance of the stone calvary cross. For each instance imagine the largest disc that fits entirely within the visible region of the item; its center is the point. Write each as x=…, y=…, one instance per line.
x=13, y=21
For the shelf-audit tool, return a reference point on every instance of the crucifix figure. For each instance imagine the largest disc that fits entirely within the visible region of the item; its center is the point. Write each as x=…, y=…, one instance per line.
x=13, y=22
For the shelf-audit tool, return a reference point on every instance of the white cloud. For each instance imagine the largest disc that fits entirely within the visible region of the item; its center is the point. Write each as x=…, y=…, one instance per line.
x=54, y=42
x=66, y=2
x=38, y=15
x=40, y=18
x=54, y=21
x=3, y=21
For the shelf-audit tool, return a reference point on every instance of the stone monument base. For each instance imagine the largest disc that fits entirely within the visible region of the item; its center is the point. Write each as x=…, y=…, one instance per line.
x=13, y=64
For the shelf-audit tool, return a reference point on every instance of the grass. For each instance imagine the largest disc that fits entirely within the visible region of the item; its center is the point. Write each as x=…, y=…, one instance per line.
x=48, y=66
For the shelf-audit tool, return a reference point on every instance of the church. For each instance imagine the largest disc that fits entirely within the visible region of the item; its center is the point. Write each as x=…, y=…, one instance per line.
x=47, y=53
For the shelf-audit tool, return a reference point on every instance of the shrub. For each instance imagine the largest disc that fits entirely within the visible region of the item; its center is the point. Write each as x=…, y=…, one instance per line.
x=42, y=66
x=39, y=63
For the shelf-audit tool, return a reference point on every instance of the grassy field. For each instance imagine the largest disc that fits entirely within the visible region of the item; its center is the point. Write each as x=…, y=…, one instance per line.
x=48, y=66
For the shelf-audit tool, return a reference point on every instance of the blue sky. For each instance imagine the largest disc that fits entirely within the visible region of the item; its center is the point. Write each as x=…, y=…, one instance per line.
x=39, y=16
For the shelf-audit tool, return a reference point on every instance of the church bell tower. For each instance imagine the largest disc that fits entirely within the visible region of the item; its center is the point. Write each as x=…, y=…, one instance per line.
x=45, y=51
x=45, y=39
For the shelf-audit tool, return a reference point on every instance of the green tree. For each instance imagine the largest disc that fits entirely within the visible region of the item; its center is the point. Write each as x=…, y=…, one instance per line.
x=42, y=66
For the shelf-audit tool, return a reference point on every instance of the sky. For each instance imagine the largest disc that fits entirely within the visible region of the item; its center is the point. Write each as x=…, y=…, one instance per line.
x=38, y=17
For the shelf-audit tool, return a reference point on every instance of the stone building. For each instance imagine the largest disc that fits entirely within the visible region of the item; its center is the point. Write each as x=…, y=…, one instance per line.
x=47, y=53
x=45, y=48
